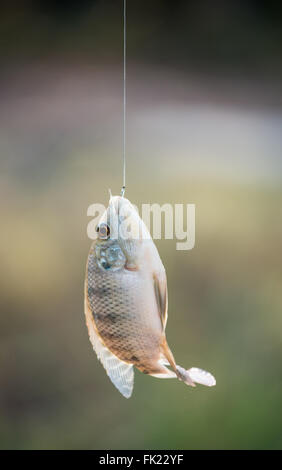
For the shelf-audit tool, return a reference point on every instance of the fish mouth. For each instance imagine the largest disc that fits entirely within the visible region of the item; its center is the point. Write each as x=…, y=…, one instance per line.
x=117, y=204
x=111, y=216
x=119, y=209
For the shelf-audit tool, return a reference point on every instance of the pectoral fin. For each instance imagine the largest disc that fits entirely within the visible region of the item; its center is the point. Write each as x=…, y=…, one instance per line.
x=160, y=286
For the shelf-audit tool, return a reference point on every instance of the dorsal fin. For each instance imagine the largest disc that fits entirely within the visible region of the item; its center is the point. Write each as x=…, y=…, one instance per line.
x=121, y=373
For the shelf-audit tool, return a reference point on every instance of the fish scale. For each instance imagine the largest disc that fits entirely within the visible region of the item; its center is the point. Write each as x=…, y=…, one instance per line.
x=123, y=320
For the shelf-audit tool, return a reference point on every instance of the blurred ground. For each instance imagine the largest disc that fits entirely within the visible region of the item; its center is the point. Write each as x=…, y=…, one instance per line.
x=209, y=138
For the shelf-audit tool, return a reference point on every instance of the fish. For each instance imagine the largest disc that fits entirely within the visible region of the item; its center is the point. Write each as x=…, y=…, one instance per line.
x=126, y=302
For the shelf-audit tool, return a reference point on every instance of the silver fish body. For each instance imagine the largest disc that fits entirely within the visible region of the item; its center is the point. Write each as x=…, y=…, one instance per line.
x=126, y=304
x=122, y=302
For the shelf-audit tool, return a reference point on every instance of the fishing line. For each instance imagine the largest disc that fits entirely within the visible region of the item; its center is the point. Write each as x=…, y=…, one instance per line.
x=124, y=97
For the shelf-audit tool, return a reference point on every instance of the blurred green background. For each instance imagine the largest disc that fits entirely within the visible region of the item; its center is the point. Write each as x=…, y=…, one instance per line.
x=204, y=127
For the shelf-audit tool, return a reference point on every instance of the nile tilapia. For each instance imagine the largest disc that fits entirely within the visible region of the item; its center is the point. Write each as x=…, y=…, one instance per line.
x=126, y=302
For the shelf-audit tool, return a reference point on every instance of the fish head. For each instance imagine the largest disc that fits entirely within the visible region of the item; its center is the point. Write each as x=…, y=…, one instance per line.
x=122, y=228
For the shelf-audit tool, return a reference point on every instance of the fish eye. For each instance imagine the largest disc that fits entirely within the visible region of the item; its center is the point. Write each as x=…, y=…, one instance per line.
x=104, y=231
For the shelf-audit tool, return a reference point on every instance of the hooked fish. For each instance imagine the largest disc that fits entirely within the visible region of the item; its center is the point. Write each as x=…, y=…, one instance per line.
x=126, y=302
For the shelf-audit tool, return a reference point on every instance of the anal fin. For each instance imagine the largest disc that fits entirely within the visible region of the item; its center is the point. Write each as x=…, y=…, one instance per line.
x=164, y=373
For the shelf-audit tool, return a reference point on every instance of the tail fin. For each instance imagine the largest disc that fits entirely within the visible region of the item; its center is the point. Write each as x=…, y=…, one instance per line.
x=193, y=375
x=189, y=376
